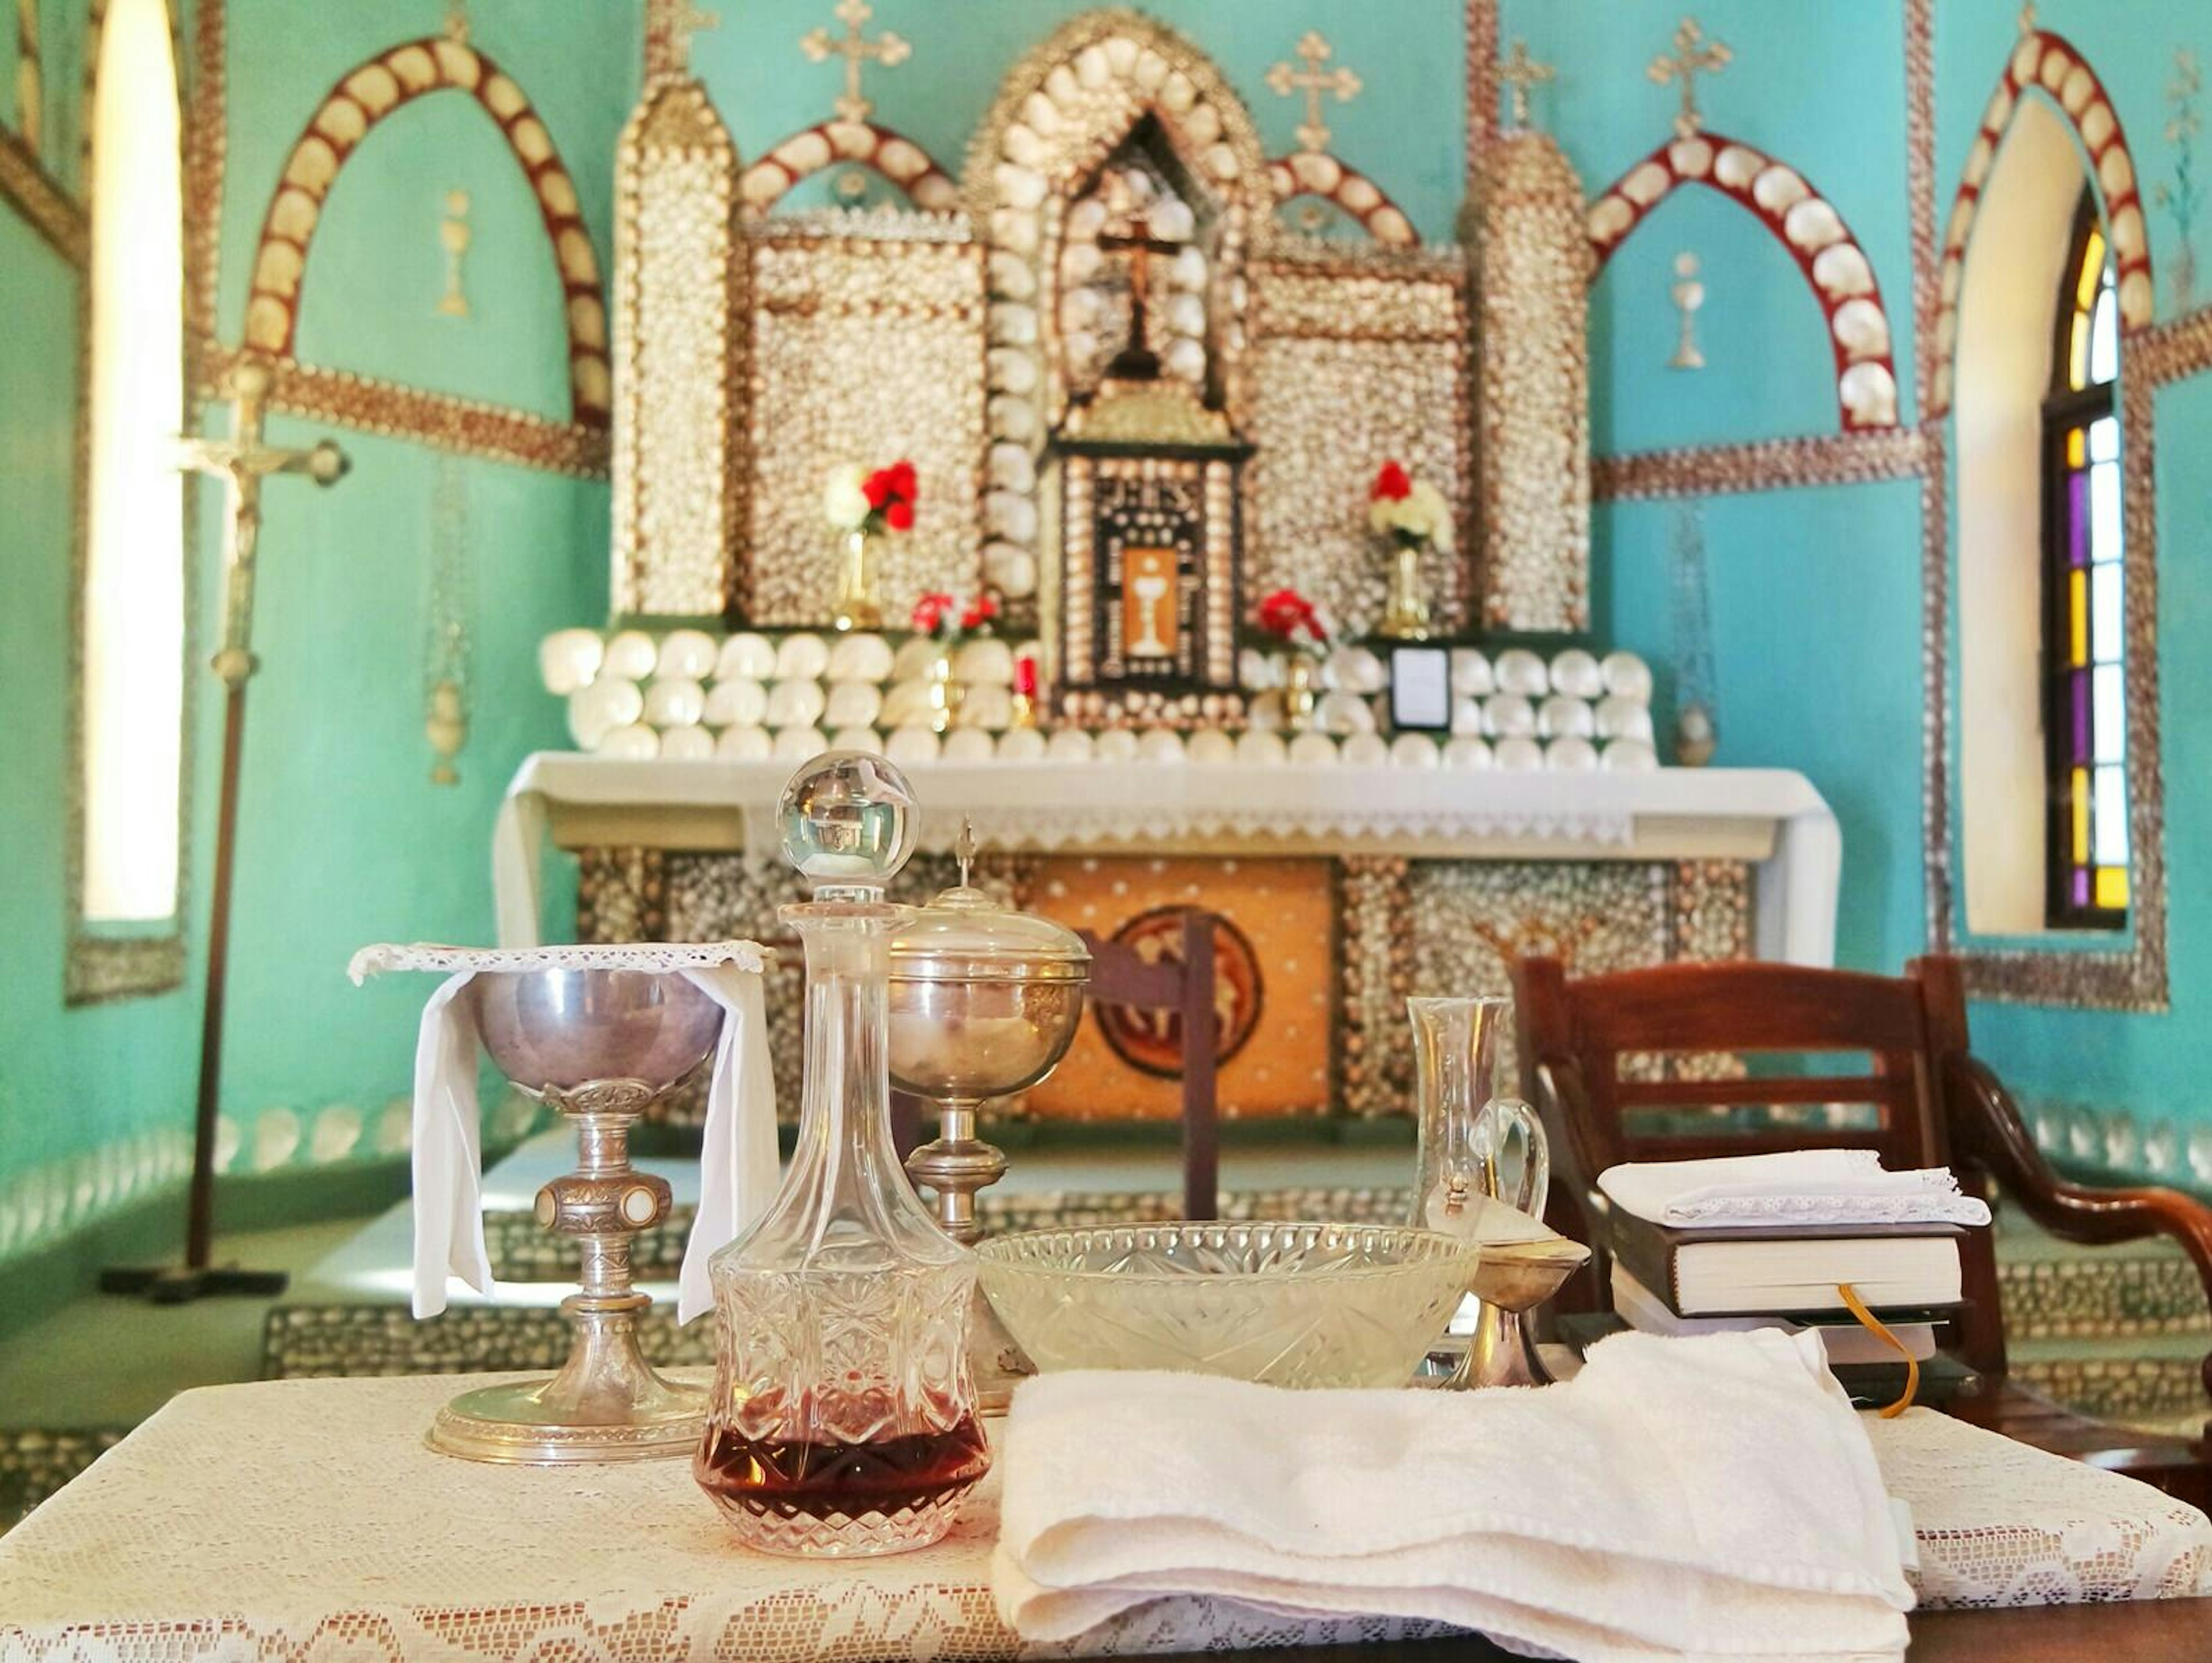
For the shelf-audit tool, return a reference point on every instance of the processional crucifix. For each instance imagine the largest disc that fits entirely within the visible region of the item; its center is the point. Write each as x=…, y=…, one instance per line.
x=243, y=462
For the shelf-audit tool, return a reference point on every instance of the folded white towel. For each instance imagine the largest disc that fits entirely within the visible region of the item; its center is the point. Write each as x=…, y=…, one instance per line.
x=1711, y=1497
x=1801, y=1186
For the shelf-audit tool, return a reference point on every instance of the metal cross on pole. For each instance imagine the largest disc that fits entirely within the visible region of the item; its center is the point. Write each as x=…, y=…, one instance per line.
x=1693, y=56
x=1313, y=82
x=888, y=49
x=243, y=462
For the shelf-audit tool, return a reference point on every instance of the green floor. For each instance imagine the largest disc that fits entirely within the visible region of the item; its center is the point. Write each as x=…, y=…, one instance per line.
x=106, y=1360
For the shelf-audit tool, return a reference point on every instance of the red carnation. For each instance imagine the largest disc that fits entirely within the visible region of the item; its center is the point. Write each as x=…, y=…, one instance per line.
x=980, y=611
x=929, y=612
x=898, y=514
x=1392, y=484
x=1288, y=614
x=877, y=488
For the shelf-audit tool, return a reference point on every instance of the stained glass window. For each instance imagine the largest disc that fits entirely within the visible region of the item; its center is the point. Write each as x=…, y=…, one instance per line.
x=2085, y=598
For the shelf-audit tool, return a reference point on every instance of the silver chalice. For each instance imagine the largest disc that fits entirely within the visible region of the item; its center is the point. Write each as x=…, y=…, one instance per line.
x=600, y=1047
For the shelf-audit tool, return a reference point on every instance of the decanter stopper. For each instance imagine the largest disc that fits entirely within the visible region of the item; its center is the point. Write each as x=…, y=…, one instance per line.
x=848, y=822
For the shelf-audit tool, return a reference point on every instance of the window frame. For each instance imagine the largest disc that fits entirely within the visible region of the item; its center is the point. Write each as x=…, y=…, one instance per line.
x=2065, y=409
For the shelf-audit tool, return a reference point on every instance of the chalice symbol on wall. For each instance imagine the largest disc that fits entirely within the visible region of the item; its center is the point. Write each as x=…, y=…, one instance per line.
x=1150, y=588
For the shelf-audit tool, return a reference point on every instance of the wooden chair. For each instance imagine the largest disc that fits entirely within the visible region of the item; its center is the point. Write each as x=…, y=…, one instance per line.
x=1933, y=1104
x=1119, y=975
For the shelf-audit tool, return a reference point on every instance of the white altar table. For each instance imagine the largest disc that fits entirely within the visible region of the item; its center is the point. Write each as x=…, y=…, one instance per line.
x=307, y=1518
x=1771, y=818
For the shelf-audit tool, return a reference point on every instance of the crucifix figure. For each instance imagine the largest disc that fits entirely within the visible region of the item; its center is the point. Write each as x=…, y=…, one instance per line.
x=1693, y=56
x=1136, y=360
x=243, y=462
x=1313, y=82
x=1517, y=73
x=887, y=49
x=669, y=26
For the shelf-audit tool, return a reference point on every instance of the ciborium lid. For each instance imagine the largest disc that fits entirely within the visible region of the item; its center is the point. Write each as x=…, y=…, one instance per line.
x=965, y=935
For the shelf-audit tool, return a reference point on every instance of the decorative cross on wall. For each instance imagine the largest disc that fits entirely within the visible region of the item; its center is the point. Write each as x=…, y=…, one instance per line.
x=1517, y=73
x=1693, y=55
x=1314, y=83
x=457, y=20
x=2027, y=21
x=887, y=49
x=669, y=26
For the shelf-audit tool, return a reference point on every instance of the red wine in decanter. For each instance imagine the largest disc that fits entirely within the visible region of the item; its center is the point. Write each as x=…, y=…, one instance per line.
x=782, y=1477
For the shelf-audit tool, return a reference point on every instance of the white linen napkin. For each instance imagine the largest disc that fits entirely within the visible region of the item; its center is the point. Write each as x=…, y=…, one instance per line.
x=1797, y=1186
x=738, y=1156
x=1709, y=1497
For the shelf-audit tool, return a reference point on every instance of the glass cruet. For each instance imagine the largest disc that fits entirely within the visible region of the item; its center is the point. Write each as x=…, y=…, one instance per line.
x=842, y=1417
x=1465, y=1128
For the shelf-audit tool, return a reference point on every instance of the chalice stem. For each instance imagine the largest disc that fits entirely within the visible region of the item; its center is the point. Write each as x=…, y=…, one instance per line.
x=957, y=1164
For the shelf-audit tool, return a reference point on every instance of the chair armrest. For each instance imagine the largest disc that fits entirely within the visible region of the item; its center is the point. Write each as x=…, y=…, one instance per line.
x=1990, y=1132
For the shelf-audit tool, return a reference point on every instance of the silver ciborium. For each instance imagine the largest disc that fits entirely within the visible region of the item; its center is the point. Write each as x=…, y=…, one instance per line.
x=600, y=1047
x=984, y=1003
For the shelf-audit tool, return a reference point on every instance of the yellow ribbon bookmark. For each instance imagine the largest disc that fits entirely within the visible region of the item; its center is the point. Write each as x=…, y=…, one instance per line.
x=1873, y=1325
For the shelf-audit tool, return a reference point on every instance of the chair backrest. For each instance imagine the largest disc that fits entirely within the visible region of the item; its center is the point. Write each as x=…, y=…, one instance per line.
x=1184, y=985
x=1688, y=1060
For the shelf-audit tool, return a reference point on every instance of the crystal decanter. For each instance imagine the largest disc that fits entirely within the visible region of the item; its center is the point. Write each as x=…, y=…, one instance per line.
x=842, y=1417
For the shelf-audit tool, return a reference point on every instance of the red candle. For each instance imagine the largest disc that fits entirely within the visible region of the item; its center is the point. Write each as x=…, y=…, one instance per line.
x=1025, y=678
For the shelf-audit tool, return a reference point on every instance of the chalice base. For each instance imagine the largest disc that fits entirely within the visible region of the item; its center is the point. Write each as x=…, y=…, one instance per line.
x=607, y=1404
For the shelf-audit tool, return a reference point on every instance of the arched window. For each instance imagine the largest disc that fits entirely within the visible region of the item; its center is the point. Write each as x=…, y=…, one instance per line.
x=2084, y=598
x=133, y=606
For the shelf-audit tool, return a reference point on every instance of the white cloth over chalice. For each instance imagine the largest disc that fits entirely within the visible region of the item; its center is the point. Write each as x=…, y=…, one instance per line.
x=737, y=1154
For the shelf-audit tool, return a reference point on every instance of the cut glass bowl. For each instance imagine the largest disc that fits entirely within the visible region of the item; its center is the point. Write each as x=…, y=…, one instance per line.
x=1282, y=1304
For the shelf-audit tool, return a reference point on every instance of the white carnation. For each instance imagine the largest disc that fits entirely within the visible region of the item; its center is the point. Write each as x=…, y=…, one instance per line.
x=844, y=504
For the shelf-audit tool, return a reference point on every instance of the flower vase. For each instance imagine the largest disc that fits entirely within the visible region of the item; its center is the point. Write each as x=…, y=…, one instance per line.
x=859, y=563
x=945, y=693
x=1300, y=687
x=1406, y=616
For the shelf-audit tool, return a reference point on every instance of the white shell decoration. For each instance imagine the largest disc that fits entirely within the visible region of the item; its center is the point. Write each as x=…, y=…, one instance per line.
x=686, y=744
x=904, y=704
x=1465, y=751
x=856, y=738
x=609, y=703
x=689, y=653
x=1265, y=713
x=852, y=704
x=1414, y=750
x=1311, y=749
x=1870, y=393
x=967, y=744
x=801, y=658
x=1518, y=755
x=1466, y=718
x=985, y=661
x=1159, y=744
x=1576, y=673
x=1355, y=670
x=569, y=659
x=1630, y=756
x=907, y=746
x=675, y=701
x=746, y=655
x=795, y=704
x=913, y=658
x=631, y=655
x=1259, y=748
x=633, y=742
x=739, y=702
x=745, y=744
x=1571, y=754
x=862, y=658
x=1023, y=745
x=1622, y=718
x=1509, y=715
x=1365, y=750
x=1560, y=717
x=1070, y=744
x=1628, y=675
x=988, y=707
x=1471, y=673
x=1115, y=744
x=1209, y=747
x=1256, y=670
x=1343, y=712
x=1519, y=671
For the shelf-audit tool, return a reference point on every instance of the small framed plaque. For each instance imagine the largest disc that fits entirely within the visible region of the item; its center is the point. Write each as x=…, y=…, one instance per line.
x=1420, y=689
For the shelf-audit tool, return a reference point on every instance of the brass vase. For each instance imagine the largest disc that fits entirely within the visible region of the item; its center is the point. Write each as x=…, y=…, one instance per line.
x=860, y=566
x=1301, y=688
x=1406, y=616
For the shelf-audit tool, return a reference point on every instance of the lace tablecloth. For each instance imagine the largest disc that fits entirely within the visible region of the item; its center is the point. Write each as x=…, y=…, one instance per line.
x=305, y=1519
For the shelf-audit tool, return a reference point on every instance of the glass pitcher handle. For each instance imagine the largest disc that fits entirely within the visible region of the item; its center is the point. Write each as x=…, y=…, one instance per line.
x=1499, y=1119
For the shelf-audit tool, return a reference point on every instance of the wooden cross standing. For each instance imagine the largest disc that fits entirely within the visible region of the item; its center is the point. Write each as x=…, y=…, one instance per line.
x=1518, y=73
x=1693, y=56
x=1313, y=82
x=1137, y=361
x=887, y=49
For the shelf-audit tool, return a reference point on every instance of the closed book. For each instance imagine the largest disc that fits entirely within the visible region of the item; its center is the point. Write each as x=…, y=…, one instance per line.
x=1849, y=1344
x=1730, y=1270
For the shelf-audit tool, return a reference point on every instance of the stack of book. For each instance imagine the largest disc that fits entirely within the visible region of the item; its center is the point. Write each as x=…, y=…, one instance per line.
x=1705, y=1247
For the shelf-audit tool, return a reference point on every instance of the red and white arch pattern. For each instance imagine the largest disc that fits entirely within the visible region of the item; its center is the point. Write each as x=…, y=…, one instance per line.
x=1317, y=173
x=360, y=99
x=1806, y=223
x=901, y=160
x=2048, y=64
